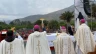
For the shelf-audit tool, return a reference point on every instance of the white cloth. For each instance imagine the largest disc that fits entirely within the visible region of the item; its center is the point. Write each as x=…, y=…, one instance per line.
x=84, y=39
x=37, y=44
x=51, y=38
x=63, y=44
x=14, y=47
x=19, y=37
x=95, y=35
x=72, y=38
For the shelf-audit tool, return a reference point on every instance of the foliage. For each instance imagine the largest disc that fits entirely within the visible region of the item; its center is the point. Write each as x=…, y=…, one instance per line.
x=62, y=23
x=94, y=10
x=72, y=23
x=53, y=24
x=67, y=16
x=39, y=22
x=92, y=25
x=20, y=24
x=3, y=25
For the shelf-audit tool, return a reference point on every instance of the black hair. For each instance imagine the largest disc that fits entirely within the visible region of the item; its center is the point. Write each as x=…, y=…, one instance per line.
x=9, y=33
x=36, y=29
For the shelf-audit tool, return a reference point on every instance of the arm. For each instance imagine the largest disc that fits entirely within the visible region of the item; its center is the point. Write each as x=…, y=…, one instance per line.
x=19, y=37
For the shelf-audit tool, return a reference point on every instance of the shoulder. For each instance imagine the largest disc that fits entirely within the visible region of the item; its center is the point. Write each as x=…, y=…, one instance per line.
x=64, y=35
x=2, y=41
x=84, y=26
x=18, y=40
x=31, y=34
x=44, y=32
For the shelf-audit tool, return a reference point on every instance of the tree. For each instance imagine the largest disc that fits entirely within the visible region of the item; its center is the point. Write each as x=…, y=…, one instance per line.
x=3, y=25
x=53, y=24
x=39, y=22
x=67, y=16
x=62, y=23
x=21, y=24
x=94, y=10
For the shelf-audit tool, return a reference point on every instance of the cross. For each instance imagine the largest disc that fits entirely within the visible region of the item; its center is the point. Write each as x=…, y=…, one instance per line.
x=11, y=48
x=39, y=46
x=42, y=19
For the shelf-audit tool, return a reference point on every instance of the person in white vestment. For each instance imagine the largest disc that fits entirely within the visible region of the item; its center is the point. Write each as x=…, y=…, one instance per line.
x=18, y=36
x=37, y=42
x=11, y=45
x=95, y=36
x=85, y=42
x=63, y=43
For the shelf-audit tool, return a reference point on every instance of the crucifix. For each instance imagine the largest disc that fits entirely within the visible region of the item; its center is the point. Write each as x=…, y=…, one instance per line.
x=42, y=19
x=39, y=46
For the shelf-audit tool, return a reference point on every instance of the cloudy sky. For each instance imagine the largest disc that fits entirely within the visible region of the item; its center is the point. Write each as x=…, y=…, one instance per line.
x=11, y=9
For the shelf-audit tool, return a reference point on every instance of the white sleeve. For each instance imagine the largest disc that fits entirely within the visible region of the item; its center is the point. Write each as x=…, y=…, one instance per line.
x=22, y=47
x=19, y=37
x=45, y=33
x=95, y=37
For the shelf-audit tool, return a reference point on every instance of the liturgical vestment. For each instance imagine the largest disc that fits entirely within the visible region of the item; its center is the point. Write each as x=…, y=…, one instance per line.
x=63, y=44
x=37, y=43
x=85, y=42
x=14, y=47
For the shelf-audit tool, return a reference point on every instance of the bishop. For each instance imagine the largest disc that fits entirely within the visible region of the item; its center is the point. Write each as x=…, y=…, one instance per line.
x=63, y=43
x=37, y=42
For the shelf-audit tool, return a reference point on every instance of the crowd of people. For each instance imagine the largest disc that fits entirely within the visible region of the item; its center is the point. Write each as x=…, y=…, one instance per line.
x=37, y=42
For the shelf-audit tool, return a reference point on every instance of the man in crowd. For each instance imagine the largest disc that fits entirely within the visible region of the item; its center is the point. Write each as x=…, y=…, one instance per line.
x=37, y=42
x=11, y=45
x=70, y=31
x=63, y=43
x=85, y=42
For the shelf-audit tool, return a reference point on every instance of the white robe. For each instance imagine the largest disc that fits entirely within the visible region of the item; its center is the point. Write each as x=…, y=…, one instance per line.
x=85, y=42
x=95, y=35
x=63, y=44
x=14, y=47
x=37, y=44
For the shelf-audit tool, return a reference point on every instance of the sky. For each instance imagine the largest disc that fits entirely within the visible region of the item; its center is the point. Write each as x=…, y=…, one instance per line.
x=12, y=9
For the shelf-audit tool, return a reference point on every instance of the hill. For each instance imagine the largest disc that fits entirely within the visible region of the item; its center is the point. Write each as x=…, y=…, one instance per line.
x=50, y=16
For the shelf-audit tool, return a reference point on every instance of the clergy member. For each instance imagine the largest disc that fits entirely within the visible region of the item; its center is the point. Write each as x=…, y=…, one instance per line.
x=63, y=43
x=85, y=42
x=37, y=42
x=11, y=45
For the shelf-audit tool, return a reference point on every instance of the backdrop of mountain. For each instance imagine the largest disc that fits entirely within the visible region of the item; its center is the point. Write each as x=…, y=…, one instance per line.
x=50, y=16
